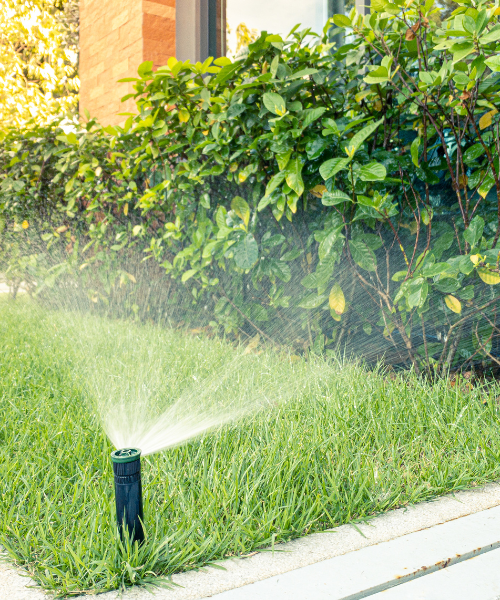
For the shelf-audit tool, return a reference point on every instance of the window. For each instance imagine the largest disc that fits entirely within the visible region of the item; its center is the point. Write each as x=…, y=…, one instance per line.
x=246, y=19
x=224, y=27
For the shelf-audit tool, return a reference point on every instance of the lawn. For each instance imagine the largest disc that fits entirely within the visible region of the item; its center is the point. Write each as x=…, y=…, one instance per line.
x=340, y=444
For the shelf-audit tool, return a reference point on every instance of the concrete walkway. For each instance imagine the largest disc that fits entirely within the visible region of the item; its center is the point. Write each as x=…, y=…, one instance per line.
x=409, y=548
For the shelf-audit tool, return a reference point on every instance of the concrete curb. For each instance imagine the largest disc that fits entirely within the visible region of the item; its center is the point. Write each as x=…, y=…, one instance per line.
x=292, y=555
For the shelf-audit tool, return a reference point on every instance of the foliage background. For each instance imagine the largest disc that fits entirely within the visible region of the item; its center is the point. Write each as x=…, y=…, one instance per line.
x=38, y=61
x=329, y=199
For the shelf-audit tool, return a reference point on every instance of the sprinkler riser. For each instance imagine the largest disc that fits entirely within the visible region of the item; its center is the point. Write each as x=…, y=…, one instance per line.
x=128, y=496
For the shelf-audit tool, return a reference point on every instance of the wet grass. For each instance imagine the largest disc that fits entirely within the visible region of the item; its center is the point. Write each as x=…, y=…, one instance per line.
x=348, y=445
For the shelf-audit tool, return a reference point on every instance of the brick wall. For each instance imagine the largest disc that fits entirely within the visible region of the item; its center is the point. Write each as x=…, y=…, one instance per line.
x=116, y=36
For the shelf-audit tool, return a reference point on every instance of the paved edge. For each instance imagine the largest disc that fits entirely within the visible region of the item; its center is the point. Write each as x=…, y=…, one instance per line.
x=456, y=560
x=377, y=568
x=203, y=583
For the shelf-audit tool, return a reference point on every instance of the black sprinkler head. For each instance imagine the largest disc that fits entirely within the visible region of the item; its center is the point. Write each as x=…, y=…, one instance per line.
x=128, y=493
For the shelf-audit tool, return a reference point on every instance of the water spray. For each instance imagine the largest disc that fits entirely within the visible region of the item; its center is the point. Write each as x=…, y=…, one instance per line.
x=128, y=493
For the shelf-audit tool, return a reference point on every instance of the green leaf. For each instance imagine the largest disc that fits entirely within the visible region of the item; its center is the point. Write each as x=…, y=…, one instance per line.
x=227, y=71
x=331, y=167
x=378, y=75
x=205, y=200
x=264, y=201
x=246, y=252
x=438, y=268
x=357, y=140
x=145, y=68
x=334, y=198
x=273, y=240
x=311, y=114
x=414, y=150
x=310, y=281
x=241, y=208
x=461, y=50
x=274, y=182
x=372, y=172
x=72, y=139
x=188, y=274
x=493, y=62
x=417, y=292
x=466, y=266
x=363, y=255
x=399, y=275
x=302, y=73
x=473, y=152
x=342, y=21
x=443, y=243
x=467, y=293
x=294, y=176
x=375, y=201
x=328, y=242
x=312, y=301
x=447, y=285
x=371, y=240
x=291, y=254
x=274, y=103
x=281, y=270
x=491, y=36
x=222, y=61
x=283, y=159
x=220, y=217
x=331, y=128
x=474, y=232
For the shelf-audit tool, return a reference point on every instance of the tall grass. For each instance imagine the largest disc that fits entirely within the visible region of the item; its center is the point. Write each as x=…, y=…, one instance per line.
x=348, y=444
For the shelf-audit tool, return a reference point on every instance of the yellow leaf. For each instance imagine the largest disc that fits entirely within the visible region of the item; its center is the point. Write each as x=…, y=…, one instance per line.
x=475, y=258
x=171, y=62
x=388, y=330
x=318, y=190
x=453, y=303
x=485, y=120
x=25, y=224
x=489, y=277
x=360, y=95
x=125, y=209
x=252, y=344
x=335, y=316
x=61, y=229
x=131, y=277
x=233, y=167
x=183, y=116
x=337, y=299
x=309, y=257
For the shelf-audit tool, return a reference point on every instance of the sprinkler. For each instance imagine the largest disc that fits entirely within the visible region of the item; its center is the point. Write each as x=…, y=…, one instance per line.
x=128, y=492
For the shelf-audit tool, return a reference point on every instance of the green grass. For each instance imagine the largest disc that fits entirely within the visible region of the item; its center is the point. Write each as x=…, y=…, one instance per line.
x=348, y=444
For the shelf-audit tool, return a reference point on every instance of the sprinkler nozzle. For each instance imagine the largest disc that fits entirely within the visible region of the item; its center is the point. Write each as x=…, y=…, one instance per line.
x=128, y=492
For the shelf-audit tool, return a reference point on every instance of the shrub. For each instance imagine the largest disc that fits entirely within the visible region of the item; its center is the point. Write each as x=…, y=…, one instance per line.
x=326, y=198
